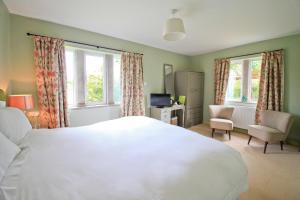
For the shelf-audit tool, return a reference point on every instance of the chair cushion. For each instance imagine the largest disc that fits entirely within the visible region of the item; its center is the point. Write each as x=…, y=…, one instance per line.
x=223, y=124
x=266, y=134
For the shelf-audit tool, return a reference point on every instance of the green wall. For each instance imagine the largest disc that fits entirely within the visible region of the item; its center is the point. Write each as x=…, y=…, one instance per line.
x=22, y=76
x=4, y=46
x=290, y=44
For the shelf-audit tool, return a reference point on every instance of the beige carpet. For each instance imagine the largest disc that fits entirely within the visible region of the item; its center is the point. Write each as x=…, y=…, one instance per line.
x=274, y=175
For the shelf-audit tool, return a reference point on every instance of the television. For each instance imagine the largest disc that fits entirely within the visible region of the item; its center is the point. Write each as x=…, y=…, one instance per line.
x=160, y=100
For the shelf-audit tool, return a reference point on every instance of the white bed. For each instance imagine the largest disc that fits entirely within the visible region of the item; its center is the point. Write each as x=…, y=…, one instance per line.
x=132, y=158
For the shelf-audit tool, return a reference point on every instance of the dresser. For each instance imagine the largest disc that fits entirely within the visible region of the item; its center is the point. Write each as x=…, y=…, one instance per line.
x=191, y=85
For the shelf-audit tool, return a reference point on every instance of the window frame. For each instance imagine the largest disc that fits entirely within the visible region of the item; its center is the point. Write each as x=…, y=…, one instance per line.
x=250, y=78
x=74, y=76
x=104, y=102
x=246, y=81
x=80, y=99
x=242, y=79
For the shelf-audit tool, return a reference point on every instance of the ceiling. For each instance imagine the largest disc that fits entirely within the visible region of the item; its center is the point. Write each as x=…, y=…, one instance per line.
x=210, y=24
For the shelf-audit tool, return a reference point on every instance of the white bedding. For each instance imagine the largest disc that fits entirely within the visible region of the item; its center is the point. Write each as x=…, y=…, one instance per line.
x=132, y=158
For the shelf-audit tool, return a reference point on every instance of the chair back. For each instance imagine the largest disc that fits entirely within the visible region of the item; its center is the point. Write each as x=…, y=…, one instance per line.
x=278, y=120
x=221, y=111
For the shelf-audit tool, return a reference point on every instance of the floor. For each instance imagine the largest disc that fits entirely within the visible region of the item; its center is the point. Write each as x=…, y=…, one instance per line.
x=274, y=175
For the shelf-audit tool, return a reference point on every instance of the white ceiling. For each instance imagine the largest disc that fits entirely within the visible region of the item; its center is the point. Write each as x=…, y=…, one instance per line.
x=210, y=24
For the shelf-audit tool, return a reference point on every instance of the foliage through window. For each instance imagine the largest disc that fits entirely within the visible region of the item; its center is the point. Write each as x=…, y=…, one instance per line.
x=93, y=77
x=243, y=84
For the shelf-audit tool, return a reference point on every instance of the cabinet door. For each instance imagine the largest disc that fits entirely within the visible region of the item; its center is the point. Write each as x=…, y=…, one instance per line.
x=195, y=90
x=195, y=80
x=181, y=83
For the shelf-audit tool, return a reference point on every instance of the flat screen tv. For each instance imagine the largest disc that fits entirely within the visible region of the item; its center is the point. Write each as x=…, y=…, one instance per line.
x=160, y=100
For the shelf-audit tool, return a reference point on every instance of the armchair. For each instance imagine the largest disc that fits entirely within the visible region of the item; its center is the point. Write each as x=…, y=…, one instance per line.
x=274, y=127
x=221, y=118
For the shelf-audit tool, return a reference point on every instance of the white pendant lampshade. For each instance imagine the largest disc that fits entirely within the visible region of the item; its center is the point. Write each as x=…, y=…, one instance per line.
x=174, y=29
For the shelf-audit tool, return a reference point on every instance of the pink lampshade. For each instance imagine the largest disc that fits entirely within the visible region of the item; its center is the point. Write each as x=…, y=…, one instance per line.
x=23, y=101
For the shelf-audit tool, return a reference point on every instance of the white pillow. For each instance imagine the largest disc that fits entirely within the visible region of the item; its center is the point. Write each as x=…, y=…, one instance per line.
x=14, y=124
x=8, y=152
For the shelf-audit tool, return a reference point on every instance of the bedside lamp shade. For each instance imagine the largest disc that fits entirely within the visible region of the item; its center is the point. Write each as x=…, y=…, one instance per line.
x=23, y=102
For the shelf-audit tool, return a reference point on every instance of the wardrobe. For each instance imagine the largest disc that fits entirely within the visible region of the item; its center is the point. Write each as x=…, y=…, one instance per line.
x=191, y=85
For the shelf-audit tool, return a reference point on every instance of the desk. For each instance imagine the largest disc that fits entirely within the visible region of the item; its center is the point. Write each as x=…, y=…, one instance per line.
x=164, y=114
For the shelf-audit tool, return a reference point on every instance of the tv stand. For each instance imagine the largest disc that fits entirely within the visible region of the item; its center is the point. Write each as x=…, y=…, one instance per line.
x=164, y=113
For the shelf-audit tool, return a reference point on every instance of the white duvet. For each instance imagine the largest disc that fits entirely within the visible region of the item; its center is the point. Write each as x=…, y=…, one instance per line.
x=132, y=158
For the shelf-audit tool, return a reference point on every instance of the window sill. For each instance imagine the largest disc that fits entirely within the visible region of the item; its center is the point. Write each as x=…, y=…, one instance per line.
x=237, y=103
x=93, y=106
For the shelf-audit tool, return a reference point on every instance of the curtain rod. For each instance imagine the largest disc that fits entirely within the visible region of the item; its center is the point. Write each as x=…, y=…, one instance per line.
x=251, y=54
x=82, y=43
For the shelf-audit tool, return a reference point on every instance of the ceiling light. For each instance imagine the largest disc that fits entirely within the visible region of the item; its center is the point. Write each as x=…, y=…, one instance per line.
x=174, y=28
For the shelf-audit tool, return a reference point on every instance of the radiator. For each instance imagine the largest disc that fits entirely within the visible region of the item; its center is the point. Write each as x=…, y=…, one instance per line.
x=243, y=116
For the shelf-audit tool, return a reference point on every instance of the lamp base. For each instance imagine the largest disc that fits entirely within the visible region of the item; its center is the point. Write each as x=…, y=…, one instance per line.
x=33, y=117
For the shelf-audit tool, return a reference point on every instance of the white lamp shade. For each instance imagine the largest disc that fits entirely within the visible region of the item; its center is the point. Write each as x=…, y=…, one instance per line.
x=174, y=29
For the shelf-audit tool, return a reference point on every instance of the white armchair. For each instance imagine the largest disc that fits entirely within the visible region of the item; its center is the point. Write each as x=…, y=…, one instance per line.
x=274, y=127
x=221, y=118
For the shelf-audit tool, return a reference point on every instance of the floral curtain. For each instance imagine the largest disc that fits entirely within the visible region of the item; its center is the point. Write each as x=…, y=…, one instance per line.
x=271, y=83
x=132, y=84
x=49, y=59
x=222, y=67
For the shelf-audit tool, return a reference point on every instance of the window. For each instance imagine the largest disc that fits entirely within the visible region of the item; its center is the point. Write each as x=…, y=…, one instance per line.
x=255, y=65
x=117, y=79
x=94, y=70
x=70, y=76
x=93, y=77
x=234, y=90
x=243, y=84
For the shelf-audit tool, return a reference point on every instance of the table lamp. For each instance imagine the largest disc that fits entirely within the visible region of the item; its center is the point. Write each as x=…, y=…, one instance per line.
x=23, y=102
x=26, y=104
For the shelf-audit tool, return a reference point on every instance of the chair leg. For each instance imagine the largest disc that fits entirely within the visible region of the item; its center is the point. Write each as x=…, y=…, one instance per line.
x=229, y=132
x=212, y=132
x=249, y=139
x=266, y=143
x=281, y=145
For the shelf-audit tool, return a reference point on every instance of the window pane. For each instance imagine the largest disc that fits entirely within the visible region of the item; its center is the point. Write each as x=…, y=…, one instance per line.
x=234, y=90
x=117, y=79
x=70, y=65
x=255, y=66
x=94, y=79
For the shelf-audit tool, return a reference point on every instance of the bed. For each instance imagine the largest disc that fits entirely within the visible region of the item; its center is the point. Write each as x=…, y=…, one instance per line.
x=131, y=158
